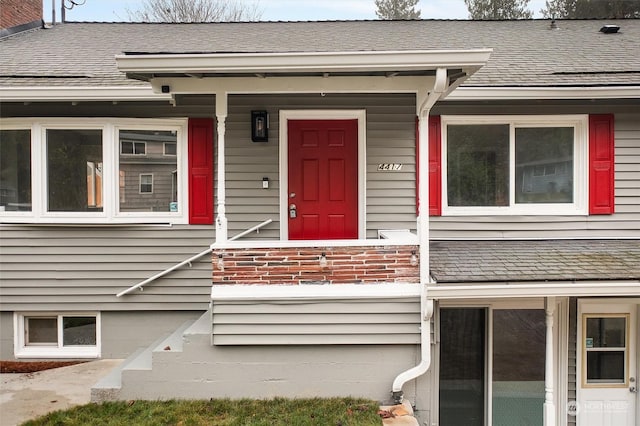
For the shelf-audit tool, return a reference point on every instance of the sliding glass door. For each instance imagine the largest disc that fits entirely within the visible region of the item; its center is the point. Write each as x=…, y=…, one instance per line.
x=491, y=366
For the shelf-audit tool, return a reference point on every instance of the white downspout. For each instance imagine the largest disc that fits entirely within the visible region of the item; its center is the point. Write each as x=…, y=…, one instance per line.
x=426, y=306
x=221, y=217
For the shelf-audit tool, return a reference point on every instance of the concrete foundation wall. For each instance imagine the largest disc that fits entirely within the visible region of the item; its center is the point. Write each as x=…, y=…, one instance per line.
x=6, y=335
x=201, y=370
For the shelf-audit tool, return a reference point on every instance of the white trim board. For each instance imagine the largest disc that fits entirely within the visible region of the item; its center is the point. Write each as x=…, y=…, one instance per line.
x=533, y=289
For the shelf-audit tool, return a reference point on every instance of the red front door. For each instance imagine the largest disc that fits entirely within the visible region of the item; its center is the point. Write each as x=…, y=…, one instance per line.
x=323, y=179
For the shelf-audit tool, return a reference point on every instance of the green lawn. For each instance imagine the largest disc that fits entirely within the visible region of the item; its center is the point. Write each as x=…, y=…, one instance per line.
x=296, y=412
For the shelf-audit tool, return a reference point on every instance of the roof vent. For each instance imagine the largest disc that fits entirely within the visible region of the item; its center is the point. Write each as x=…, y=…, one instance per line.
x=610, y=29
x=553, y=25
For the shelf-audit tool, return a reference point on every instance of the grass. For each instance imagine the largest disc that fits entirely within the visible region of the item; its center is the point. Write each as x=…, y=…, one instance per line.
x=224, y=412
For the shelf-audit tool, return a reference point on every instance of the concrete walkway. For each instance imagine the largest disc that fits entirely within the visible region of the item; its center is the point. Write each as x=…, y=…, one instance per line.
x=25, y=396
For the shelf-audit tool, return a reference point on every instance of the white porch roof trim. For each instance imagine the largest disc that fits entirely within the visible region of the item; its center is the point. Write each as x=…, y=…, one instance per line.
x=515, y=93
x=302, y=62
x=434, y=291
x=533, y=289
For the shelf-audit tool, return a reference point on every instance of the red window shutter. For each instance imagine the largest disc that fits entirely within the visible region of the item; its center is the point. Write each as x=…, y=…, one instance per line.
x=435, y=169
x=435, y=173
x=200, y=171
x=601, y=164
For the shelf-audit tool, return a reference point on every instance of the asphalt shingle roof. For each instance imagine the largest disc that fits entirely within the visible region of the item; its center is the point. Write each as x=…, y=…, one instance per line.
x=548, y=260
x=526, y=53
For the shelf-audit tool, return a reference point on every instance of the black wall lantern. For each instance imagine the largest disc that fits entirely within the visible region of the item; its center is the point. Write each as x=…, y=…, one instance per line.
x=259, y=126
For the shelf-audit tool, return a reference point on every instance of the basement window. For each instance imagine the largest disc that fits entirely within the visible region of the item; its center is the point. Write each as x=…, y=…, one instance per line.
x=55, y=335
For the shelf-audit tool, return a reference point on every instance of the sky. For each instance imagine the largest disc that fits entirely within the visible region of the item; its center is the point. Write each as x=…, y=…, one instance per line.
x=275, y=10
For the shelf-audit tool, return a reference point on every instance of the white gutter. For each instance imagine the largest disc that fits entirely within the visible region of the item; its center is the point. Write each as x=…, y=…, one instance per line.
x=424, y=108
x=534, y=289
x=80, y=93
x=524, y=93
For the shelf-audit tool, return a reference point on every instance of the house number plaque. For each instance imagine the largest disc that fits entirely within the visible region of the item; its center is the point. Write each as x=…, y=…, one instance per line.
x=389, y=167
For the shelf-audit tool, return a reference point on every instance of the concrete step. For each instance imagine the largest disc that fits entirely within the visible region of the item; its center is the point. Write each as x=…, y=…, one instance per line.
x=108, y=388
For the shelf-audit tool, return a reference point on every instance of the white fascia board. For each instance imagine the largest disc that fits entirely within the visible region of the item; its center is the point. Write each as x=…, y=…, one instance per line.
x=80, y=93
x=244, y=293
x=409, y=60
x=517, y=93
x=533, y=289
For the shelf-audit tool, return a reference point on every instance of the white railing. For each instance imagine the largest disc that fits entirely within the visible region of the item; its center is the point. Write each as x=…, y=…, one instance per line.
x=141, y=284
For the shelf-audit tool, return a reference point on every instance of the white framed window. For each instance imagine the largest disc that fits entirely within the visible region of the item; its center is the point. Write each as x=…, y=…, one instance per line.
x=531, y=165
x=57, y=335
x=87, y=170
x=169, y=148
x=146, y=183
x=133, y=147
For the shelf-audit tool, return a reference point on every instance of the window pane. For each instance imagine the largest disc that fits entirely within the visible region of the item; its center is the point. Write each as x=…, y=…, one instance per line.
x=15, y=170
x=148, y=180
x=170, y=148
x=74, y=167
x=605, y=367
x=518, y=366
x=544, y=165
x=478, y=165
x=41, y=331
x=79, y=331
x=462, y=367
x=606, y=332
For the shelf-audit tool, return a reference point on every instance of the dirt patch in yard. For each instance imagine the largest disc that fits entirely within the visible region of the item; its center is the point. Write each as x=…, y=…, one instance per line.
x=32, y=366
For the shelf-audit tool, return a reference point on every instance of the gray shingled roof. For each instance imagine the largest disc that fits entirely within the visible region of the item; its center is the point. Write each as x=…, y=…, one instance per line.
x=526, y=53
x=550, y=260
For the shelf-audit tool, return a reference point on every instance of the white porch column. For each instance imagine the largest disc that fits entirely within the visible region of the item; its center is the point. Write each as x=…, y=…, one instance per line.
x=221, y=218
x=549, y=368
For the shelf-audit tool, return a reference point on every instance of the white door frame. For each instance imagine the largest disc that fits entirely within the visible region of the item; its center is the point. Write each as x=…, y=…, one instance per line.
x=285, y=115
x=606, y=307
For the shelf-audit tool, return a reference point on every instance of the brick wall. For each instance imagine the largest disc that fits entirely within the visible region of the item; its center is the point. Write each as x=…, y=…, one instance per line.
x=344, y=265
x=19, y=12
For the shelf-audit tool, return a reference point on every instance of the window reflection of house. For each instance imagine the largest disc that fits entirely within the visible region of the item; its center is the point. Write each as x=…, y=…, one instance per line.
x=550, y=181
x=147, y=170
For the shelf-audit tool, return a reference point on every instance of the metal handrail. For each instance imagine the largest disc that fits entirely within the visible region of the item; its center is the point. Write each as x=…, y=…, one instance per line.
x=141, y=284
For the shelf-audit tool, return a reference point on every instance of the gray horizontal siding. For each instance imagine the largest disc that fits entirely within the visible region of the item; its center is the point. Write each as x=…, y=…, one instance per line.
x=84, y=267
x=332, y=322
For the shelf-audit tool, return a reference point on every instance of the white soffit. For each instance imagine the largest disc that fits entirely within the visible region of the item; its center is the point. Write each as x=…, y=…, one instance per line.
x=302, y=62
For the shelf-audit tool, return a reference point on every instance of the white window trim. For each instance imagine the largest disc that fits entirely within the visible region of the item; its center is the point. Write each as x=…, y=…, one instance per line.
x=580, y=168
x=140, y=183
x=21, y=350
x=111, y=171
